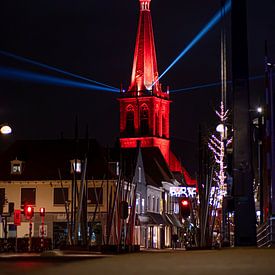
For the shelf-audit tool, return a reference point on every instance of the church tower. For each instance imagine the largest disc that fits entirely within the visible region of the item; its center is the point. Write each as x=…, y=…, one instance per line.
x=145, y=107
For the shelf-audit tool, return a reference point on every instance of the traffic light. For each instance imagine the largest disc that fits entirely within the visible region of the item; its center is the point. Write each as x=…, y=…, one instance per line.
x=2, y=202
x=11, y=207
x=185, y=208
x=124, y=210
x=29, y=211
x=42, y=211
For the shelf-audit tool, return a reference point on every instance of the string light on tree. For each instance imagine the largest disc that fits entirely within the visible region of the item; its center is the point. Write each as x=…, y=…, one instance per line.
x=218, y=147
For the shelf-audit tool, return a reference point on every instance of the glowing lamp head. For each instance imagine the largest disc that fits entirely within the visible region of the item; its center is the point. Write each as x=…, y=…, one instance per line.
x=5, y=129
x=259, y=110
x=220, y=128
x=29, y=209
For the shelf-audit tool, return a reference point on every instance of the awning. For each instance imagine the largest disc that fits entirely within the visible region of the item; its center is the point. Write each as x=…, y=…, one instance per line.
x=152, y=218
x=173, y=220
x=156, y=218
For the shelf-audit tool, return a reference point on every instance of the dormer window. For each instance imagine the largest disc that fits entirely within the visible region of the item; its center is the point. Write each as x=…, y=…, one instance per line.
x=16, y=167
x=75, y=166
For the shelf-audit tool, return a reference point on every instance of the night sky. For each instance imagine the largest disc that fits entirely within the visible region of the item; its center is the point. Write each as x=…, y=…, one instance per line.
x=96, y=39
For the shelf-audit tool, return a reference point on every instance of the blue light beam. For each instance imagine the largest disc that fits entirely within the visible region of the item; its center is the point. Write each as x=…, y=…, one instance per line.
x=42, y=65
x=14, y=74
x=209, y=85
x=215, y=19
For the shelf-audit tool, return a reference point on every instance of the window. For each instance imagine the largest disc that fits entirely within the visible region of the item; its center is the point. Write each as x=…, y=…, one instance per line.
x=148, y=203
x=163, y=126
x=60, y=195
x=154, y=204
x=2, y=195
x=16, y=167
x=114, y=167
x=95, y=195
x=158, y=205
x=139, y=174
x=144, y=120
x=138, y=203
x=28, y=196
x=157, y=124
x=142, y=206
x=75, y=166
x=130, y=125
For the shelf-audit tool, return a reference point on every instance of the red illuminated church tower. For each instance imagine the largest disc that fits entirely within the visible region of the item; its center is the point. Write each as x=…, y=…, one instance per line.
x=145, y=107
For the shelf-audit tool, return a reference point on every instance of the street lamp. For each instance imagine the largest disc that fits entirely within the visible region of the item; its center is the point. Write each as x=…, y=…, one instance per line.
x=5, y=129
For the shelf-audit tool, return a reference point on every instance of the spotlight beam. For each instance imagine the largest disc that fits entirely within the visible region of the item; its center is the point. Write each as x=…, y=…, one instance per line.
x=51, y=68
x=209, y=85
x=14, y=74
x=214, y=20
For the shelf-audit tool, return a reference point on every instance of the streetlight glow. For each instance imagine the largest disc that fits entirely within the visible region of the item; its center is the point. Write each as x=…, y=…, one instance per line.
x=5, y=129
x=259, y=110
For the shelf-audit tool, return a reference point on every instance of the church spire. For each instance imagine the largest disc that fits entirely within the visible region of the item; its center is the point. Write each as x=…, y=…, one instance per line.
x=145, y=71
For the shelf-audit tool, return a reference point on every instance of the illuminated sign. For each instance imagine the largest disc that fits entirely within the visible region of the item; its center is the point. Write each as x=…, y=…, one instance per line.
x=183, y=192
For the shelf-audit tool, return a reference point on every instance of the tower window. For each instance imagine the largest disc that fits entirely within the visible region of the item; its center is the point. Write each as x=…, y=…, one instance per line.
x=130, y=126
x=163, y=126
x=144, y=120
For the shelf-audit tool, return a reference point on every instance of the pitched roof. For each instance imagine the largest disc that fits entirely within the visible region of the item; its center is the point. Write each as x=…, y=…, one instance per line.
x=42, y=159
x=155, y=166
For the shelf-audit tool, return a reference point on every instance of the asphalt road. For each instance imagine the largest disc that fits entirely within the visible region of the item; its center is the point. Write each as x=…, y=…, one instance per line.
x=225, y=261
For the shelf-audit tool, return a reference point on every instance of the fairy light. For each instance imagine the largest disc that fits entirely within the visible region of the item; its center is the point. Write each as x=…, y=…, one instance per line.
x=218, y=147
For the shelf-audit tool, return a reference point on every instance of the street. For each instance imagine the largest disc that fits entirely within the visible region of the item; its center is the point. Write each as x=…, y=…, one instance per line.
x=225, y=261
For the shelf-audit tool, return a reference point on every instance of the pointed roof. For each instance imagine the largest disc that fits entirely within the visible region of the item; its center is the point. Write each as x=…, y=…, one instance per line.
x=145, y=71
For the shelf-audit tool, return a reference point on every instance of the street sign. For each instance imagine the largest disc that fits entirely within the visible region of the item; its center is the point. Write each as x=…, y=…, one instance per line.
x=43, y=229
x=17, y=217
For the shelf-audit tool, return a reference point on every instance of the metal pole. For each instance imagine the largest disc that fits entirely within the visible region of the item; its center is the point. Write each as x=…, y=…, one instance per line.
x=42, y=233
x=245, y=215
x=30, y=236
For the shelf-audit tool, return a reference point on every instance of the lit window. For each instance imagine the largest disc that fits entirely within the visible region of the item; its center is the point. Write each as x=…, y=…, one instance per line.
x=139, y=174
x=114, y=167
x=16, y=167
x=76, y=165
x=142, y=206
x=138, y=203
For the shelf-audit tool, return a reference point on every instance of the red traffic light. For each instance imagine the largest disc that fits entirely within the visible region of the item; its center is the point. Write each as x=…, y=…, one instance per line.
x=185, y=208
x=184, y=203
x=42, y=211
x=29, y=211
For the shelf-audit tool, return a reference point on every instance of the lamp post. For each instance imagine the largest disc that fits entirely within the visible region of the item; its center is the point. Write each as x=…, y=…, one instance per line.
x=4, y=130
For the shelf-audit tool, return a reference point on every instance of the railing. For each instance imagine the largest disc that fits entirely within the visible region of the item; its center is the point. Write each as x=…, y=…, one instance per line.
x=266, y=234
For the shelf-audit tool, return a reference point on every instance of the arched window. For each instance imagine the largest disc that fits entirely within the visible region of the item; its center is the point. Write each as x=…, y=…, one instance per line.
x=144, y=120
x=130, y=125
x=163, y=126
x=157, y=124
